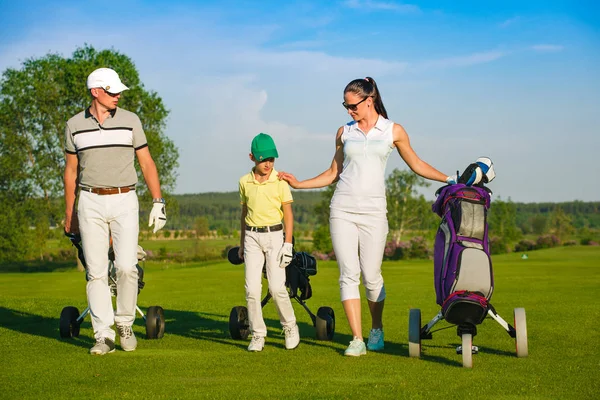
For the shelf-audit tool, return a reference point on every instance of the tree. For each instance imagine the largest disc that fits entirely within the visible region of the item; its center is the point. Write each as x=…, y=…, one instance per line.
x=322, y=235
x=407, y=209
x=502, y=221
x=201, y=226
x=36, y=101
x=560, y=223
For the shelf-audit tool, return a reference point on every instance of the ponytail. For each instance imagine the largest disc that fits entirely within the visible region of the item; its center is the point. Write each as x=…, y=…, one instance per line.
x=368, y=88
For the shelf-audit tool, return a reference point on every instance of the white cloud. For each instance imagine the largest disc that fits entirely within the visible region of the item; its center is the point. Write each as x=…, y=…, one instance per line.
x=509, y=22
x=466, y=60
x=547, y=48
x=369, y=5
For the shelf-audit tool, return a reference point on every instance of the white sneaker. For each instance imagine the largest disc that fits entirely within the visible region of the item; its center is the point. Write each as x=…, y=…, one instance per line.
x=103, y=346
x=292, y=337
x=127, y=338
x=257, y=343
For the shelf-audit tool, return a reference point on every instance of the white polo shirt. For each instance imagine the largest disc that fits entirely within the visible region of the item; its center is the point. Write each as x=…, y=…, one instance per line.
x=361, y=185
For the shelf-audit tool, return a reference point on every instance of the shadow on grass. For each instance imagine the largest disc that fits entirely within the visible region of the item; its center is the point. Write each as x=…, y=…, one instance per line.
x=32, y=324
x=38, y=266
x=215, y=328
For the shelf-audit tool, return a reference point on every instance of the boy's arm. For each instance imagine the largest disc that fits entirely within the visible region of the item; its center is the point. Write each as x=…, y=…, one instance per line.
x=288, y=221
x=243, y=230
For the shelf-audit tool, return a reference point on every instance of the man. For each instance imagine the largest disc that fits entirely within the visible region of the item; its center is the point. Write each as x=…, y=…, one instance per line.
x=100, y=145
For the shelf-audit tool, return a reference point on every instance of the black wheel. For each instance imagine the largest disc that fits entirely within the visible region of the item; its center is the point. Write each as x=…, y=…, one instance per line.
x=155, y=322
x=325, y=323
x=238, y=323
x=69, y=326
x=414, y=333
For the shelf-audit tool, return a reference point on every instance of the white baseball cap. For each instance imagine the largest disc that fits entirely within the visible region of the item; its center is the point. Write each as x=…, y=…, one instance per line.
x=107, y=79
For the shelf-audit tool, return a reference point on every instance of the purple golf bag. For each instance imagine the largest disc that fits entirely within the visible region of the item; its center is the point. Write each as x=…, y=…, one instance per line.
x=463, y=275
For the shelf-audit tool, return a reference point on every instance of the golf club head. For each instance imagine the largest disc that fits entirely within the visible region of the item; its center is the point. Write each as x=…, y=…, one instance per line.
x=233, y=257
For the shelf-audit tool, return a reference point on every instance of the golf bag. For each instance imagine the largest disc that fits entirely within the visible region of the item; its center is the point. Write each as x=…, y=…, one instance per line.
x=297, y=275
x=463, y=276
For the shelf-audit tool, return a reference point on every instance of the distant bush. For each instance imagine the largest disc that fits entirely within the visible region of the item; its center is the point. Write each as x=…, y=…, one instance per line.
x=396, y=250
x=570, y=243
x=546, y=242
x=525, y=245
x=499, y=246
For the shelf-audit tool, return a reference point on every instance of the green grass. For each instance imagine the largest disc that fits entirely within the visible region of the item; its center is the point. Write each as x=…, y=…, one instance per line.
x=196, y=358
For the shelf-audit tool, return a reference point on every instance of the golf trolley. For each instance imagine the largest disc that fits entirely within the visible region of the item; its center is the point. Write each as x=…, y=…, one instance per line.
x=302, y=266
x=463, y=275
x=70, y=319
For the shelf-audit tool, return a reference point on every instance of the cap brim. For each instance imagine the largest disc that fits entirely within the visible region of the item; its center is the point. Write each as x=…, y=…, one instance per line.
x=266, y=154
x=118, y=88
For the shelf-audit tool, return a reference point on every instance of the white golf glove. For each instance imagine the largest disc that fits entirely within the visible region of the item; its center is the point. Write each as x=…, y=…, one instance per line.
x=285, y=255
x=158, y=216
x=451, y=180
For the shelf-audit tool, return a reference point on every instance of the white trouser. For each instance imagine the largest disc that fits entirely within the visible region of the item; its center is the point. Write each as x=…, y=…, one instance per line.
x=100, y=217
x=358, y=242
x=258, y=248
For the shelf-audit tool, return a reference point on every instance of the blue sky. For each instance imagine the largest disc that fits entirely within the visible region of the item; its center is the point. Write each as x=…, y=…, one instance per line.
x=517, y=81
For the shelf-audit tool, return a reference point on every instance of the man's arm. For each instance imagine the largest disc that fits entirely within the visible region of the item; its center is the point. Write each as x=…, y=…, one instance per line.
x=70, y=180
x=149, y=171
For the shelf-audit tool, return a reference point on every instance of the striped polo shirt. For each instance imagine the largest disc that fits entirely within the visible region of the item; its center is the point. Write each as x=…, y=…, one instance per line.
x=361, y=185
x=105, y=152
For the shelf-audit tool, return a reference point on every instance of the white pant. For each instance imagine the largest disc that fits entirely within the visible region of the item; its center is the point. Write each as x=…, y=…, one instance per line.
x=258, y=248
x=358, y=242
x=100, y=217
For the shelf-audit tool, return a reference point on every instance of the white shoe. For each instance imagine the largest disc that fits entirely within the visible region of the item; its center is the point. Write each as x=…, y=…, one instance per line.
x=127, y=338
x=103, y=346
x=257, y=343
x=292, y=337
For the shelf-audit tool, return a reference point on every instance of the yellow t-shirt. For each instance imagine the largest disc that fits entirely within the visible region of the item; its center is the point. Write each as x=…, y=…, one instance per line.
x=264, y=199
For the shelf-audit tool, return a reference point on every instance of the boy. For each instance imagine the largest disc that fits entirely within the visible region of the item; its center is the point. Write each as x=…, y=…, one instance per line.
x=265, y=201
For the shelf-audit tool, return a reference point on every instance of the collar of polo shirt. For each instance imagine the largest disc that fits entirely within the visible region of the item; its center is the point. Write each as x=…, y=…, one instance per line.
x=272, y=178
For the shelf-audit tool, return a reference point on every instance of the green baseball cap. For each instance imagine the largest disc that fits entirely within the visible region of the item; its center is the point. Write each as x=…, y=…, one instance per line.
x=263, y=147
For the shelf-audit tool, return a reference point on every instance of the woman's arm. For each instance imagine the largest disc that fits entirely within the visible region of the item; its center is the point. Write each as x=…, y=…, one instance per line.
x=418, y=166
x=328, y=176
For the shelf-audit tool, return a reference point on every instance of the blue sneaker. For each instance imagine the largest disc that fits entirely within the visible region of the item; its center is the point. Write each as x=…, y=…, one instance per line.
x=356, y=348
x=375, y=340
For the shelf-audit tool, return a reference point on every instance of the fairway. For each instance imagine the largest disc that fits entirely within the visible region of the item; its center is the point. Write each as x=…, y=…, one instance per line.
x=197, y=359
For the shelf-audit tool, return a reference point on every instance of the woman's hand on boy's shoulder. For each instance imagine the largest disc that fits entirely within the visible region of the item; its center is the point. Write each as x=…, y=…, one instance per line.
x=289, y=178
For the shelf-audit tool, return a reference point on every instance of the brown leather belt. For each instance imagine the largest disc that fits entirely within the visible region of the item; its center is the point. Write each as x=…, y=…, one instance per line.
x=105, y=191
x=263, y=229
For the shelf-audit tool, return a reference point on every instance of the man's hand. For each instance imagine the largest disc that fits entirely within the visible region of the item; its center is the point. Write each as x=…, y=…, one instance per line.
x=71, y=222
x=158, y=216
x=285, y=255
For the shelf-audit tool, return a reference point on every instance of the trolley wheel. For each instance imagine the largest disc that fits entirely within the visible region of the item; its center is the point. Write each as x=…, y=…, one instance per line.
x=467, y=352
x=69, y=326
x=155, y=322
x=414, y=332
x=239, y=327
x=521, y=328
x=325, y=323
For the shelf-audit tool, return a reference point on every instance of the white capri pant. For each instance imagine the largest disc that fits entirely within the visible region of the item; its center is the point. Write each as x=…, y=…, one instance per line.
x=258, y=248
x=358, y=242
x=101, y=216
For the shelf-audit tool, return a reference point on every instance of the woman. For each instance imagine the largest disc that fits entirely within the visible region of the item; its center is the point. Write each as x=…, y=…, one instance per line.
x=358, y=221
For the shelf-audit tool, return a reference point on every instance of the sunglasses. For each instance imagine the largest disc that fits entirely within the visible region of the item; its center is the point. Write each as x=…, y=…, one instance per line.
x=111, y=94
x=353, y=107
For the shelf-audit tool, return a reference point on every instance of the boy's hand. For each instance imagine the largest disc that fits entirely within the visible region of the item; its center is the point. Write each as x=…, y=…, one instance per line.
x=285, y=255
x=241, y=252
